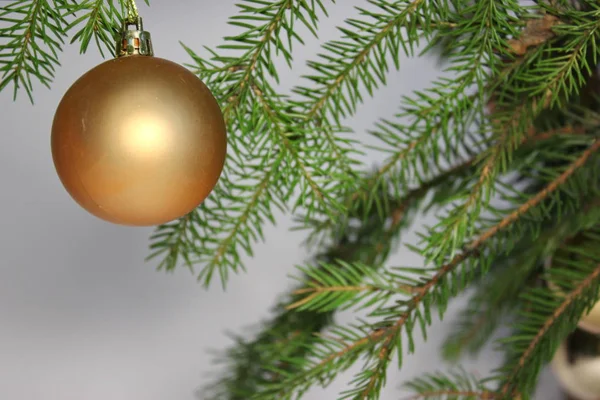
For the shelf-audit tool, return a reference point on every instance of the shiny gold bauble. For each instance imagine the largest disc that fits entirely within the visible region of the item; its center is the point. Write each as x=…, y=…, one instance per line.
x=139, y=141
x=576, y=365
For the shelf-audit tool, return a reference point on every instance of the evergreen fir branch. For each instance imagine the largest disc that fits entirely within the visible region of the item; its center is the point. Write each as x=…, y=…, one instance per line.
x=239, y=223
x=497, y=295
x=457, y=225
x=260, y=41
x=374, y=195
x=455, y=386
x=343, y=285
x=261, y=153
x=230, y=76
x=450, y=187
x=450, y=394
x=178, y=239
x=357, y=62
x=344, y=281
x=517, y=97
x=357, y=59
x=563, y=66
x=100, y=20
x=446, y=111
x=339, y=149
x=493, y=301
x=334, y=355
x=511, y=128
x=286, y=335
x=369, y=382
x=408, y=143
x=253, y=47
x=33, y=35
x=539, y=197
x=376, y=372
x=485, y=168
x=313, y=192
x=286, y=340
x=411, y=146
x=550, y=317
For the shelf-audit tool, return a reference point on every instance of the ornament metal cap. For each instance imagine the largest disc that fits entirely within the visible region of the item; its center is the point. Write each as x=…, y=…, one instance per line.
x=134, y=41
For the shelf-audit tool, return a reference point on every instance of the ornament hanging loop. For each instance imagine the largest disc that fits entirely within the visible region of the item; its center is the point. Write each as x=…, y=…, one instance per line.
x=133, y=12
x=134, y=41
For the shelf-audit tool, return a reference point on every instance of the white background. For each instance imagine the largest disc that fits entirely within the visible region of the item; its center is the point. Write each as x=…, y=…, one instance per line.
x=83, y=317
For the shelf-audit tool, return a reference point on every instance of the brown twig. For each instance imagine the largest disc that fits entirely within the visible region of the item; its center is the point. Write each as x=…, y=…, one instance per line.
x=384, y=355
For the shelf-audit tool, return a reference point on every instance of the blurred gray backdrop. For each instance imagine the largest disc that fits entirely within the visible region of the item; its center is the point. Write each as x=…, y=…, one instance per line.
x=83, y=317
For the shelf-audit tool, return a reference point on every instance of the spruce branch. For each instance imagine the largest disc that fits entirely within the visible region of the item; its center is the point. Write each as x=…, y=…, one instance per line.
x=455, y=395
x=342, y=285
x=370, y=374
x=372, y=196
x=497, y=295
x=509, y=126
x=557, y=313
x=559, y=72
x=227, y=69
x=490, y=305
x=518, y=96
x=353, y=63
x=373, y=251
x=33, y=34
x=239, y=226
x=36, y=30
x=456, y=386
x=101, y=21
x=539, y=197
x=261, y=152
x=453, y=110
x=326, y=202
x=356, y=62
x=435, y=289
x=286, y=340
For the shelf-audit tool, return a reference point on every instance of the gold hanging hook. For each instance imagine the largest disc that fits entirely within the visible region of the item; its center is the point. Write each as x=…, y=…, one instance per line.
x=136, y=41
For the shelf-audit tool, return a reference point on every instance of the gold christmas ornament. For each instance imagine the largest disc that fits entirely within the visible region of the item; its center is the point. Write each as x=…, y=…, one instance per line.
x=138, y=140
x=576, y=365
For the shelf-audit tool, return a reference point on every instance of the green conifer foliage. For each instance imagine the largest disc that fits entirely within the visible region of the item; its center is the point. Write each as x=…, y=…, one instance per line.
x=503, y=147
